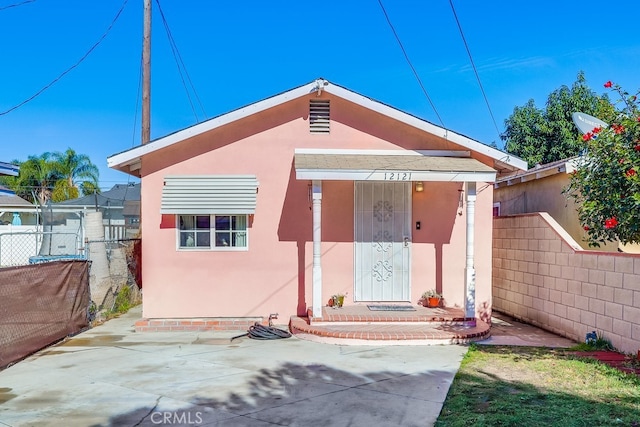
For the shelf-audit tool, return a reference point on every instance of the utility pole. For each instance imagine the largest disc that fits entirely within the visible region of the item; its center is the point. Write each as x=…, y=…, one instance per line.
x=146, y=74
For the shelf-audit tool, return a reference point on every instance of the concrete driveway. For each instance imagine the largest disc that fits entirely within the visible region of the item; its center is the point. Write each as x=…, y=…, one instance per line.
x=113, y=376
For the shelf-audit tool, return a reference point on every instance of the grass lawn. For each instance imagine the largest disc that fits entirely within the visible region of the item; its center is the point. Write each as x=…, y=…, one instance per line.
x=529, y=386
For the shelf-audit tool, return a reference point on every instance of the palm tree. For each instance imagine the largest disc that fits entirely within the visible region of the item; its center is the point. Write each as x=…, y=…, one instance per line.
x=36, y=180
x=75, y=171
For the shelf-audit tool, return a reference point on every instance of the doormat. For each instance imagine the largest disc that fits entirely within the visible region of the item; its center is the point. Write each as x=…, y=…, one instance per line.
x=380, y=307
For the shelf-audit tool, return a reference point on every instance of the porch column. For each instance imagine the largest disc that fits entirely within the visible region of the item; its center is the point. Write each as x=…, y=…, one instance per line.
x=317, y=248
x=470, y=270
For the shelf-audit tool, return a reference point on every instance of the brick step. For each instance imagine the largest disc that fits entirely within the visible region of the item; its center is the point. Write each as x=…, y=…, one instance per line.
x=390, y=333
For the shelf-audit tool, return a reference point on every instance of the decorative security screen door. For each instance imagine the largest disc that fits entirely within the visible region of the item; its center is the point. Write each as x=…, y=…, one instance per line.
x=382, y=241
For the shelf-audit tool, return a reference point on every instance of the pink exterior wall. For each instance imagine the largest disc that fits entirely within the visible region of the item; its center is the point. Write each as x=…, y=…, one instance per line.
x=274, y=275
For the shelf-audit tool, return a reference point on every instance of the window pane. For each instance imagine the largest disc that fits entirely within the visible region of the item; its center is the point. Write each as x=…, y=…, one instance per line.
x=204, y=240
x=223, y=223
x=187, y=222
x=239, y=222
x=203, y=222
x=223, y=239
x=187, y=239
x=240, y=239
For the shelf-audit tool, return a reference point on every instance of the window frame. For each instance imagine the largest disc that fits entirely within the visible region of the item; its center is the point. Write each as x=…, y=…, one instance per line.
x=212, y=234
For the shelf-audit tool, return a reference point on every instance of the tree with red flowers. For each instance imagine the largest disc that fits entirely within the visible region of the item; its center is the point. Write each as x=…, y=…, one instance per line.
x=606, y=183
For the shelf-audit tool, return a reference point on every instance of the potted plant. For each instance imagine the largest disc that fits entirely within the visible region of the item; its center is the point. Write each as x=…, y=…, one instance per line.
x=337, y=300
x=431, y=298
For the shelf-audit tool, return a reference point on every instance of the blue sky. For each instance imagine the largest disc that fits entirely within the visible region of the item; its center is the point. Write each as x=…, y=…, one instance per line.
x=237, y=53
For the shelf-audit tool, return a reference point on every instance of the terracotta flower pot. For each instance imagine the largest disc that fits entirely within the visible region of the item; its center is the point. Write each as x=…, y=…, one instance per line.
x=433, y=302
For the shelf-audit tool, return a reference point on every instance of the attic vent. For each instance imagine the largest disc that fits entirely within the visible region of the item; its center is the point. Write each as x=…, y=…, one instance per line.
x=319, y=116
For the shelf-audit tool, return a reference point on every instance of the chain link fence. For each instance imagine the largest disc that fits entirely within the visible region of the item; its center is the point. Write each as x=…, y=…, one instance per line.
x=31, y=247
x=79, y=235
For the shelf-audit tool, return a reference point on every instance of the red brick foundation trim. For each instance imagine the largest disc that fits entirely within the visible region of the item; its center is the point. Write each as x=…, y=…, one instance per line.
x=195, y=325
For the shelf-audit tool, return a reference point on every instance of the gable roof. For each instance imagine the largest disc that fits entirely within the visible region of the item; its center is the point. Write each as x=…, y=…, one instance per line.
x=129, y=161
x=9, y=198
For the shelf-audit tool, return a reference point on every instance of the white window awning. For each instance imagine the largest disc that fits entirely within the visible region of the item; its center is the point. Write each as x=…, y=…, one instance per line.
x=209, y=194
x=390, y=166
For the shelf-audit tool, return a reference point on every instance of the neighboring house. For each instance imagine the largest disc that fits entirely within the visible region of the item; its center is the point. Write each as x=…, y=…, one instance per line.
x=120, y=207
x=540, y=189
x=276, y=206
x=14, y=210
x=9, y=169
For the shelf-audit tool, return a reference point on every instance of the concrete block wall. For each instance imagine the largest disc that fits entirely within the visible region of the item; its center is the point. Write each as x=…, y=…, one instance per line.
x=542, y=276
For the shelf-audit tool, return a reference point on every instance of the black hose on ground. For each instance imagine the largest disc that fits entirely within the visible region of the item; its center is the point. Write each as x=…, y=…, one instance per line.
x=260, y=332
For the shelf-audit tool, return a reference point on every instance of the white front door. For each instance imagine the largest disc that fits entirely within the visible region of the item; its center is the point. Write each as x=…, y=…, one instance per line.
x=382, y=241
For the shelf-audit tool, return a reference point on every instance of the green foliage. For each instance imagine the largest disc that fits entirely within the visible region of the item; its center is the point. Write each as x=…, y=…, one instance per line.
x=599, y=343
x=606, y=184
x=54, y=176
x=543, y=136
x=123, y=300
x=36, y=179
x=73, y=168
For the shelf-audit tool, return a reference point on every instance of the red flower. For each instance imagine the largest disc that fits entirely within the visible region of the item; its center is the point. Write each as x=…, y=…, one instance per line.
x=587, y=136
x=638, y=119
x=586, y=228
x=631, y=172
x=610, y=222
x=621, y=161
x=608, y=84
x=637, y=147
x=596, y=130
x=617, y=128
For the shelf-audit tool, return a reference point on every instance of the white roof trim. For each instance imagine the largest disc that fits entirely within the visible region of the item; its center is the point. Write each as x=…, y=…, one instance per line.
x=499, y=156
x=133, y=156
x=565, y=166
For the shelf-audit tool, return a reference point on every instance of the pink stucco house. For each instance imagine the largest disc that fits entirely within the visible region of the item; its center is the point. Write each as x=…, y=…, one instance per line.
x=276, y=206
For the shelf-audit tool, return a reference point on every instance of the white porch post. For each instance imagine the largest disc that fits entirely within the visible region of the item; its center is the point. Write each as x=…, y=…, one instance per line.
x=470, y=271
x=317, y=248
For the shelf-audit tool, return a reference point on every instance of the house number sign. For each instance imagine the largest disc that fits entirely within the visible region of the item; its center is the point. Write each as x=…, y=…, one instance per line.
x=397, y=176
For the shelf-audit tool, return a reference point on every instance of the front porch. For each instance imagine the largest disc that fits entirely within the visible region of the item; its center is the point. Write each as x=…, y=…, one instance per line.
x=357, y=324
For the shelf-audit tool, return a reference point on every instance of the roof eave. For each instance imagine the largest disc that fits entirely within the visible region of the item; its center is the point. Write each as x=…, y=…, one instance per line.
x=129, y=161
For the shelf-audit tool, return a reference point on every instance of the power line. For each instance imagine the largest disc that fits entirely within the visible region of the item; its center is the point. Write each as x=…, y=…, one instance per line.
x=406, y=56
x=54, y=81
x=473, y=65
x=180, y=65
x=16, y=4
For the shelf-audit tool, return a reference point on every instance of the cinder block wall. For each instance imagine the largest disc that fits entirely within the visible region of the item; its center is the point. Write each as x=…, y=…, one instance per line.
x=542, y=276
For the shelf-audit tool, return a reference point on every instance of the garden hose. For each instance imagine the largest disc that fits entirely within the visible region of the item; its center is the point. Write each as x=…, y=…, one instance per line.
x=260, y=332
